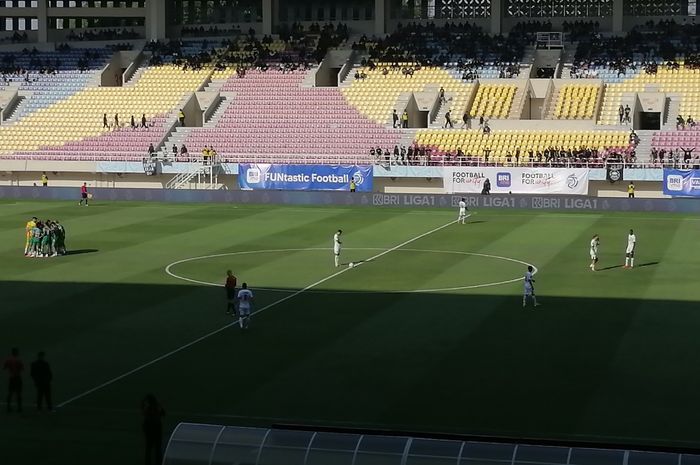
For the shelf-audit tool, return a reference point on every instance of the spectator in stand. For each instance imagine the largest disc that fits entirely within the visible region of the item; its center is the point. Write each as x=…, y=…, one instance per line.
x=680, y=123
x=404, y=119
x=143, y=120
x=481, y=123
x=487, y=128
x=441, y=94
x=183, y=150
x=116, y=120
x=174, y=150
x=42, y=376
x=133, y=122
x=690, y=122
x=621, y=113
x=448, y=120
x=465, y=120
x=181, y=117
x=151, y=150
x=105, y=124
x=628, y=118
x=14, y=367
x=395, y=118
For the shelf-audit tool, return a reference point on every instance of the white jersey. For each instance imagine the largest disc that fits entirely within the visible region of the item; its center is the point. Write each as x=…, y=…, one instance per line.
x=529, y=285
x=594, y=248
x=631, y=242
x=336, y=243
x=462, y=206
x=245, y=297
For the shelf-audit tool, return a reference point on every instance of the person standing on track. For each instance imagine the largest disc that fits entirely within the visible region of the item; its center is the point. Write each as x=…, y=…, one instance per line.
x=630, y=190
x=42, y=376
x=230, y=293
x=245, y=300
x=14, y=367
x=337, y=244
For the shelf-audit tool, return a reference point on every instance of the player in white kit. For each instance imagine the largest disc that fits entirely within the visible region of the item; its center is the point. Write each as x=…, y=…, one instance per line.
x=462, y=211
x=595, y=242
x=245, y=300
x=336, y=247
x=629, y=253
x=529, y=288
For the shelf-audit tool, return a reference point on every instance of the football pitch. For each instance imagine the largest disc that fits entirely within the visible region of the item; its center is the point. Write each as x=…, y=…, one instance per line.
x=426, y=333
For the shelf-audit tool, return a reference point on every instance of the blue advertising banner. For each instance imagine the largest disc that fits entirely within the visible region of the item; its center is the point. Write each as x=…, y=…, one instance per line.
x=254, y=176
x=682, y=183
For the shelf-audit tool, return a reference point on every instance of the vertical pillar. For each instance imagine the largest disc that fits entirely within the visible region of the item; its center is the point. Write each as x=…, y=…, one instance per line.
x=267, y=17
x=43, y=20
x=379, y=17
x=155, y=19
x=618, y=16
x=496, y=16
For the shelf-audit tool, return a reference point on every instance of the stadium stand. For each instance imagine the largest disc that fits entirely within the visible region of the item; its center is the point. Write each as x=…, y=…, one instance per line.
x=576, y=102
x=78, y=119
x=273, y=115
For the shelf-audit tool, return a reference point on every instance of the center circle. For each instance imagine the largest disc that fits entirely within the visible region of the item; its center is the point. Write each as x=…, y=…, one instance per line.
x=170, y=272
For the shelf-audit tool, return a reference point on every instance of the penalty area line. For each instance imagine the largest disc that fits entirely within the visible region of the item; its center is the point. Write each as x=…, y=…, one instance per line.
x=233, y=323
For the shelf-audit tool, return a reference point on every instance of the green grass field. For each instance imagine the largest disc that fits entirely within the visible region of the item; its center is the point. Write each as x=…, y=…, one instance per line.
x=610, y=356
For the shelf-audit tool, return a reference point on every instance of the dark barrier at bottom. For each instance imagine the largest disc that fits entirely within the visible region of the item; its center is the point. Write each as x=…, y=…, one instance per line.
x=534, y=202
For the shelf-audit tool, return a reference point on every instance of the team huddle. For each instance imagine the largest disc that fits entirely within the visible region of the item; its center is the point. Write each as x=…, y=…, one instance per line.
x=629, y=251
x=44, y=238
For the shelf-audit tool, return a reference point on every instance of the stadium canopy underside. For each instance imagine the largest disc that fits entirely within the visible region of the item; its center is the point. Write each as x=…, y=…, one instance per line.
x=202, y=444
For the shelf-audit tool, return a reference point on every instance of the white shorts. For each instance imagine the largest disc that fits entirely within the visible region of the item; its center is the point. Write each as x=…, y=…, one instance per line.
x=594, y=256
x=336, y=251
x=462, y=213
x=244, y=311
x=529, y=291
x=630, y=250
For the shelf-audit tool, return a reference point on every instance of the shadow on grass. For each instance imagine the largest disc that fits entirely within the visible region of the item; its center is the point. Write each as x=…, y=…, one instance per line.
x=342, y=347
x=81, y=251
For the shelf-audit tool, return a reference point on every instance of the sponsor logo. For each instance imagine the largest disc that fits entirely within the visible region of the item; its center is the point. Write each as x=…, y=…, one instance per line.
x=252, y=176
x=614, y=175
x=358, y=178
x=572, y=181
x=674, y=182
x=468, y=177
x=503, y=179
x=695, y=183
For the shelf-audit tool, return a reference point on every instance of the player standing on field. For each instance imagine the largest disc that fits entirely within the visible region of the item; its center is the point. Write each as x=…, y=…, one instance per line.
x=336, y=247
x=629, y=253
x=230, y=293
x=529, y=287
x=595, y=242
x=462, y=211
x=245, y=299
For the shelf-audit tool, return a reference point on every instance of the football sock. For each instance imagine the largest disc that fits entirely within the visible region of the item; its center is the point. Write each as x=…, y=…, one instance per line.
x=627, y=261
x=631, y=261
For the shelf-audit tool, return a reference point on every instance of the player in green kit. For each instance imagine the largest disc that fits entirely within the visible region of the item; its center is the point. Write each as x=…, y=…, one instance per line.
x=45, y=241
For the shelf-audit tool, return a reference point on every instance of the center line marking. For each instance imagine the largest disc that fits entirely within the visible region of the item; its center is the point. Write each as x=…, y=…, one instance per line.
x=234, y=323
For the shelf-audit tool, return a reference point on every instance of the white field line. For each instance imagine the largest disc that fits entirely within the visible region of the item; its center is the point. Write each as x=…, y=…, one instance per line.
x=335, y=291
x=233, y=323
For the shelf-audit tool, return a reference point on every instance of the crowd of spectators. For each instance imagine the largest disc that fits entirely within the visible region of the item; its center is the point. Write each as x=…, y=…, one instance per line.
x=17, y=37
x=12, y=71
x=104, y=34
x=453, y=45
x=244, y=52
x=681, y=158
x=421, y=155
